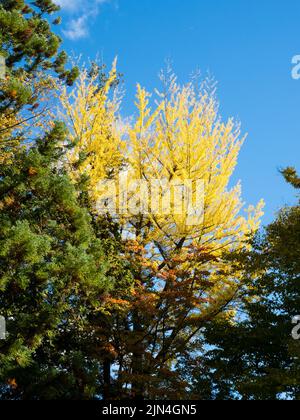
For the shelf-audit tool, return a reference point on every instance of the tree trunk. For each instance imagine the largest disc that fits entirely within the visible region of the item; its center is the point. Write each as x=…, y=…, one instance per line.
x=107, y=379
x=138, y=387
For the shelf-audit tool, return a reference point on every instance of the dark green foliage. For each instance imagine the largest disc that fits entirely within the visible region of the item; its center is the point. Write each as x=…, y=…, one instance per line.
x=58, y=260
x=256, y=358
x=29, y=46
x=291, y=176
x=53, y=274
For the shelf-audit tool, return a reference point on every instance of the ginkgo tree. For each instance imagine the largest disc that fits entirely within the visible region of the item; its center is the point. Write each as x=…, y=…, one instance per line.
x=182, y=280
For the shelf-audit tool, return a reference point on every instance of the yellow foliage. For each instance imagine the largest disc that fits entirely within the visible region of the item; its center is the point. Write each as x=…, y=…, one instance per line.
x=176, y=256
x=182, y=139
x=90, y=116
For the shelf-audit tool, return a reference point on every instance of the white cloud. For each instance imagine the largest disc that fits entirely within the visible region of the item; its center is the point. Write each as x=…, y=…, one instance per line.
x=78, y=28
x=82, y=12
x=69, y=5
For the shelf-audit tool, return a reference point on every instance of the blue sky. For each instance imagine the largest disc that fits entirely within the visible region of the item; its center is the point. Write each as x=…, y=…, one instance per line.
x=247, y=45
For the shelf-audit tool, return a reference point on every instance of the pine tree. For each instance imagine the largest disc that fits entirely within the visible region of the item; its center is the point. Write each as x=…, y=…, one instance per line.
x=53, y=276
x=29, y=46
x=33, y=61
x=59, y=262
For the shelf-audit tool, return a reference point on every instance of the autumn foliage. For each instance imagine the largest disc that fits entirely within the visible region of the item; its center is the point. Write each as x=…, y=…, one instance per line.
x=110, y=295
x=181, y=281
